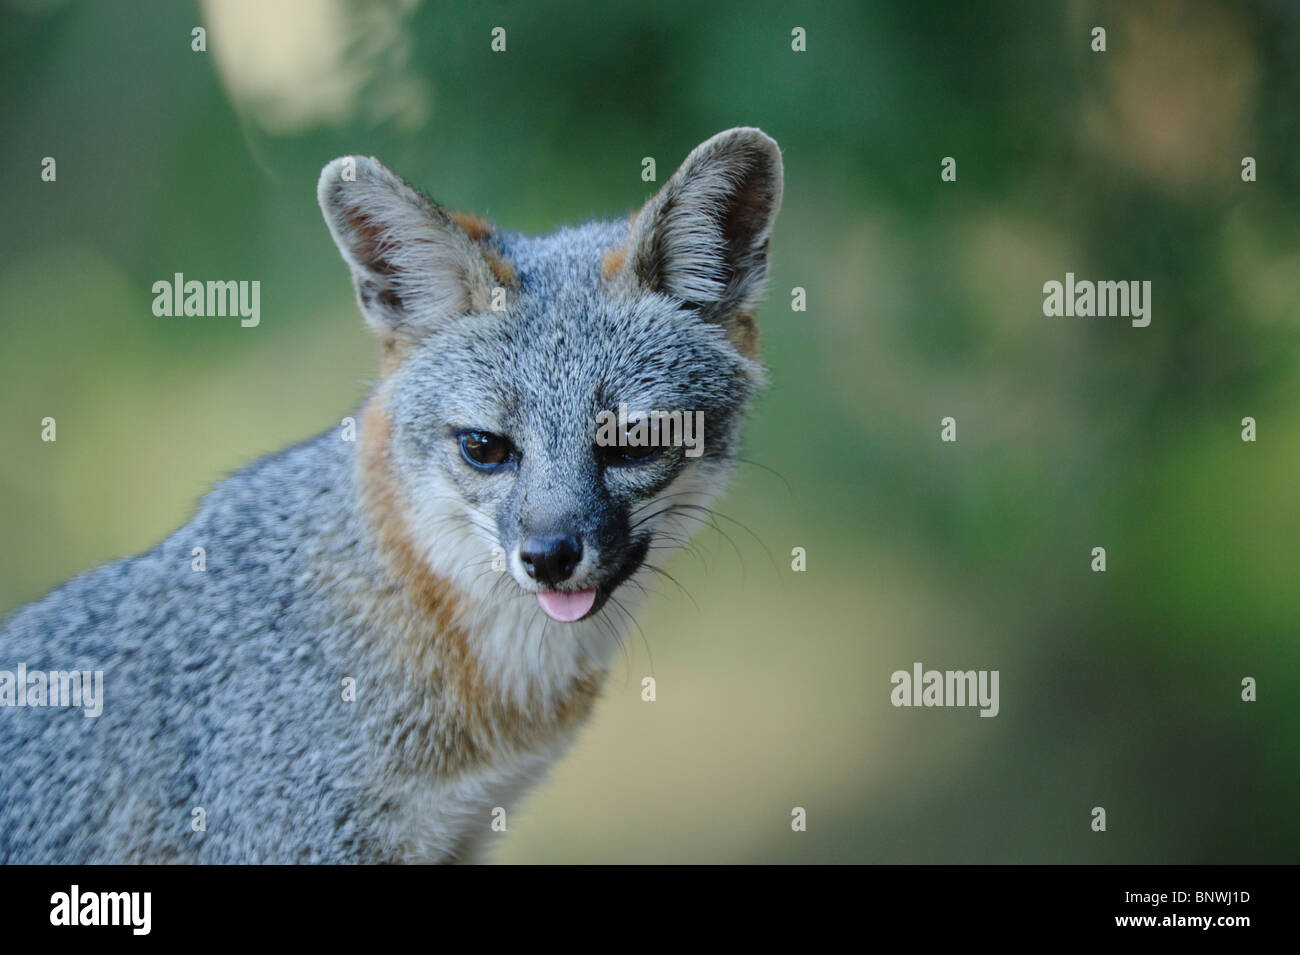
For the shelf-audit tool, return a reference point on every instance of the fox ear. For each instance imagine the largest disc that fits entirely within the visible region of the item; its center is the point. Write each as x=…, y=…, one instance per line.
x=702, y=239
x=412, y=265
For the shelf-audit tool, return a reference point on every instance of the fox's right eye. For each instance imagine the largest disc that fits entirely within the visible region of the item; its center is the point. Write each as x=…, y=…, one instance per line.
x=485, y=451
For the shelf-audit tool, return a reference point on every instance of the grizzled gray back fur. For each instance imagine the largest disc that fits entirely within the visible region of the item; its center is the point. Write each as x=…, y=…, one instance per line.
x=214, y=696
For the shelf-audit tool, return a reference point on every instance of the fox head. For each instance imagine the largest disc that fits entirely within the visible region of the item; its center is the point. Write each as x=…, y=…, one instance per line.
x=523, y=377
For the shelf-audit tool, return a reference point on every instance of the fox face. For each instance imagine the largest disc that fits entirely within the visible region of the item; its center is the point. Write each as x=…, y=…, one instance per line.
x=560, y=410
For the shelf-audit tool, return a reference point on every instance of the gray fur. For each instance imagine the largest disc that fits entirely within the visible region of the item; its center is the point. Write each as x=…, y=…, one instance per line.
x=222, y=687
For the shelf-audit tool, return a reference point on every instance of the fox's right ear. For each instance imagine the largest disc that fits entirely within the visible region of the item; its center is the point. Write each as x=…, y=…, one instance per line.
x=703, y=238
x=412, y=265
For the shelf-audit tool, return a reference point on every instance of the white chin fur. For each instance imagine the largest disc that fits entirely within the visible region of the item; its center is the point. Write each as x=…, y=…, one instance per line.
x=532, y=659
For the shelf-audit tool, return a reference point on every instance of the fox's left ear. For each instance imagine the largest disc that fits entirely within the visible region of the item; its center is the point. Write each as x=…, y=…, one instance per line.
x=702, y=239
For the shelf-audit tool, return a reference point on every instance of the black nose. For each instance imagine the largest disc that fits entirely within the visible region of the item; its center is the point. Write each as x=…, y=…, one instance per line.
x=551, y=560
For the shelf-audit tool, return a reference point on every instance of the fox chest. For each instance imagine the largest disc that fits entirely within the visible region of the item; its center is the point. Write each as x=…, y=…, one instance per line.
x=452, y=753
x=456, y=818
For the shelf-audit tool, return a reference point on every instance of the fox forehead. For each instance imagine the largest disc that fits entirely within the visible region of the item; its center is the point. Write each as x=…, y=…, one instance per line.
x=630, y=350
x=568, y=257
x=566, y=333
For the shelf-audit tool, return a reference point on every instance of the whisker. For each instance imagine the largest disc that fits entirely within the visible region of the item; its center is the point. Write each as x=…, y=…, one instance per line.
x=772, y=471
x=646, y=643
x=664, y=573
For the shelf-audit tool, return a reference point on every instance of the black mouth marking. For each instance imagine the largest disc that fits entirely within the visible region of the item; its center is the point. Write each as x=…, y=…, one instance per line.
x=632, y=560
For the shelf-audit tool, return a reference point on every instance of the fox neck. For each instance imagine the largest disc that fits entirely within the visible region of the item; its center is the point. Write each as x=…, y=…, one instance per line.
x=492, y=643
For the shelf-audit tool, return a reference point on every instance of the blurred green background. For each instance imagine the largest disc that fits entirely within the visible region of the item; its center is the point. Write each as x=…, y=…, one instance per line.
x=1119, y=690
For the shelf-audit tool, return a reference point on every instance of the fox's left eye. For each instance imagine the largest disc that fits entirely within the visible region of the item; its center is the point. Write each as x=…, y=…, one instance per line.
x=484, y=450
x=629, y=454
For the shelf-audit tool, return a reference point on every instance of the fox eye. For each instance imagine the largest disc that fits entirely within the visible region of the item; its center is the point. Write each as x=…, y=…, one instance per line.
x=485, y=451
x=630, y=454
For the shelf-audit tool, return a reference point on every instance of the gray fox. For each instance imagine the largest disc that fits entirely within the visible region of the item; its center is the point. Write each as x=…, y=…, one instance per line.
x=391, y=637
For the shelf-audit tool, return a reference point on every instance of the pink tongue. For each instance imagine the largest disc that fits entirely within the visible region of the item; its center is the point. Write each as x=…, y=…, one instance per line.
x=566, y=607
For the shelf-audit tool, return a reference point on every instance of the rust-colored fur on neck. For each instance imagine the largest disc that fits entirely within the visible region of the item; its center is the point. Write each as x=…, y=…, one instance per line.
x=426, y=617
